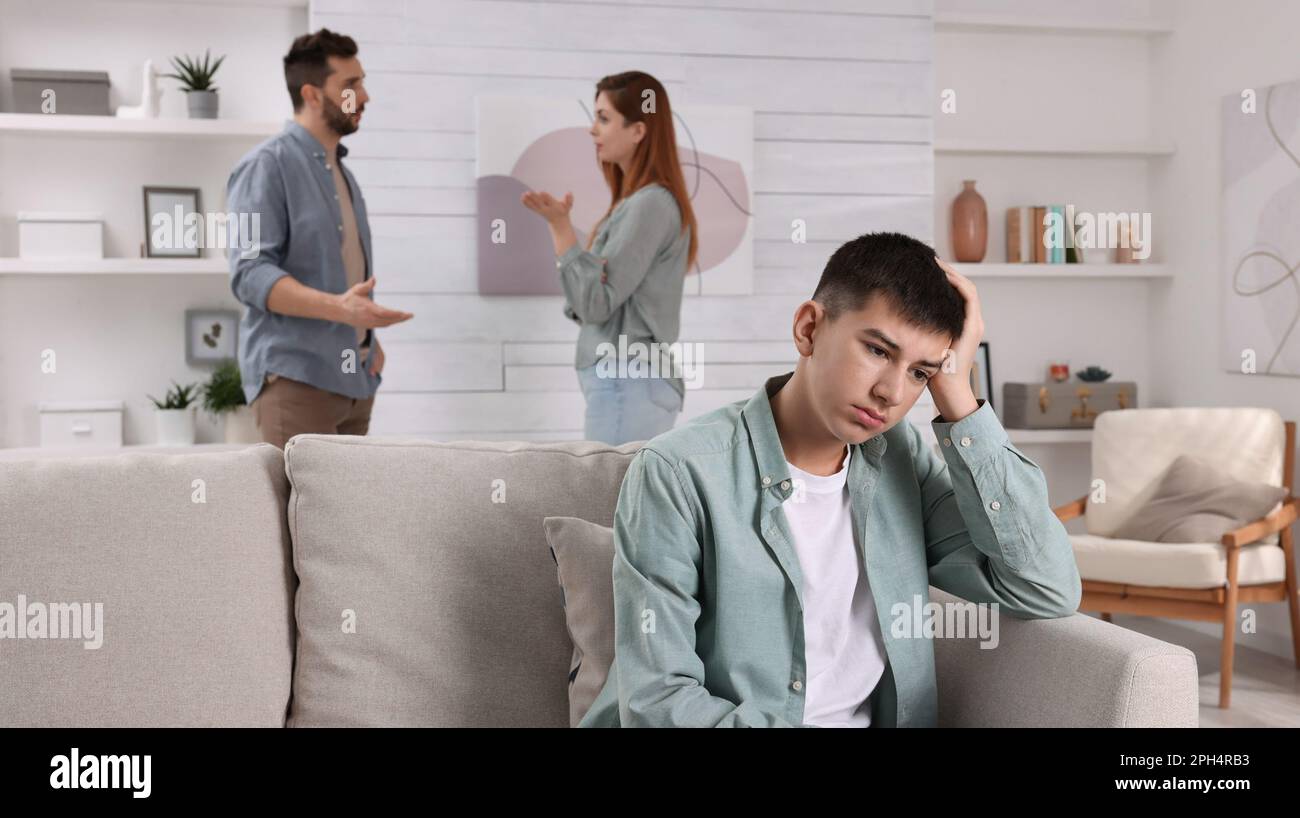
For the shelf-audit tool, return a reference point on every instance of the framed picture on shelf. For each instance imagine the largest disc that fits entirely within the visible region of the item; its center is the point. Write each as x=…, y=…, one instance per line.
x=211, y=336
x=173, y=222
x=981, y=375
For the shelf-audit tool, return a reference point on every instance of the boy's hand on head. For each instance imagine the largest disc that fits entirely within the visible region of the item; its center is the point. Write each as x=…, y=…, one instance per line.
x=951, y=387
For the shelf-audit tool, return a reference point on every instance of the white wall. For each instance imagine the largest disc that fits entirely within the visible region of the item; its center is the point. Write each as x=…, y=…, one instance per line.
x=1219, y=49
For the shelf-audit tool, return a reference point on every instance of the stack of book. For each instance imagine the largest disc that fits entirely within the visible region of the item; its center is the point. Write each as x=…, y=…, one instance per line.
x=1042, y=234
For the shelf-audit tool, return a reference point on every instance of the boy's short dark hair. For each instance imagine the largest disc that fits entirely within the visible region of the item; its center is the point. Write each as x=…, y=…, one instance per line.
x=899, y=268
x=307, y=62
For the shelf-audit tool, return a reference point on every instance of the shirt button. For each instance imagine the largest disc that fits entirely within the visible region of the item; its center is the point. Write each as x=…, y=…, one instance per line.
x=995, y=505
x=965, y=441
x=947, y=442
x=798, y=685
x=767, y=481
x=328, y=166
x=340, y=228
x=336, y=197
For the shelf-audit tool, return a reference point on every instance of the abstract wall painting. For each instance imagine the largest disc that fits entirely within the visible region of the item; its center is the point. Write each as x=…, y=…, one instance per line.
x=532, y=143
x=1261, y=210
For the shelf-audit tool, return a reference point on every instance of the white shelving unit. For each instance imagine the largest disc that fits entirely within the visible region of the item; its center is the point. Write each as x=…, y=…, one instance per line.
x=1071, y=271
x=1082, y=152
x=1143, y=150
x=115, y=266
x=76, y=125
x=976, y=21
x=72, y=125
x=1032, y=436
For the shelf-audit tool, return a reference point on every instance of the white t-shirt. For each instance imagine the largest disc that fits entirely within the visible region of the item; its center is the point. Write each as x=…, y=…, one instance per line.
x=843, y=646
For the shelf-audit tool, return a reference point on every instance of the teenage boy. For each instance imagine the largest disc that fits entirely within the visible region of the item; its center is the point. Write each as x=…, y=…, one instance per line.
x=761, y=549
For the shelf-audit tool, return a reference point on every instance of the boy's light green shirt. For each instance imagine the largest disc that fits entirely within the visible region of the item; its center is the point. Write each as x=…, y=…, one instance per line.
x=707, y=588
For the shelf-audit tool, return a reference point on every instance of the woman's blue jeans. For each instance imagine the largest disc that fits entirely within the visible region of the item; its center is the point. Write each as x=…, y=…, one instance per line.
x=620, y=410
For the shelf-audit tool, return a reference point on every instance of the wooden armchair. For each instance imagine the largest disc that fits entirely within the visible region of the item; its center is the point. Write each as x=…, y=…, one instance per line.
x=1203, y=581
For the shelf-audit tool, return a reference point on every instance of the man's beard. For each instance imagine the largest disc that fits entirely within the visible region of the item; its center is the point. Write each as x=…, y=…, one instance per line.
x=338, y=122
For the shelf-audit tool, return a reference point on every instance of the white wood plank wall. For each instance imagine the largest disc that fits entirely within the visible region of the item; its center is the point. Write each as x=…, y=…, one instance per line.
x=842, y=92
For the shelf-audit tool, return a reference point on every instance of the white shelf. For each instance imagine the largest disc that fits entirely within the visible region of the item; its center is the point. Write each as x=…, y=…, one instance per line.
x=76, y=125
x=115, y=266
x=974, y=21
x=1004, y=270
x=1022, y=436
x=1139, y=150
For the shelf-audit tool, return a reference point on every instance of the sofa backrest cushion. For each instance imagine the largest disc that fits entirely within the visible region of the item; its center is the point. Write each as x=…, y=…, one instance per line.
x=187, y=557
x=428, y=595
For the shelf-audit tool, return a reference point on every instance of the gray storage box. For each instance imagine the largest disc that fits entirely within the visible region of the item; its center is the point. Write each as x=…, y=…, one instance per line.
x=1070, y=405
x=75, y=92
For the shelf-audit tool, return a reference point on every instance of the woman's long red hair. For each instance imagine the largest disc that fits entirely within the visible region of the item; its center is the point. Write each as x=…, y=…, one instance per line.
x=655, y=158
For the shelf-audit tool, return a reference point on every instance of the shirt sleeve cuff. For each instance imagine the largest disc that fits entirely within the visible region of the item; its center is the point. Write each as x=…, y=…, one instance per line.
x=977, y=436
x=256, y=283
x=568, y=256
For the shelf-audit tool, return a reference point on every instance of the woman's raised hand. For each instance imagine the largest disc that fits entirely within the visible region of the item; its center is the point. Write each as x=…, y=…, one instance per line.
x=547, y=206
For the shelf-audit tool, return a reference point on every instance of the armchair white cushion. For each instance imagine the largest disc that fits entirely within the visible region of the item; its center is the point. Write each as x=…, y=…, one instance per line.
x=1131, y=448
x=1174, y=565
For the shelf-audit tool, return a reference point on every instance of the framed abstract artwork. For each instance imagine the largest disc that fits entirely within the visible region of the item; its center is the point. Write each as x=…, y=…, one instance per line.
x=539, y=143
x=1259, y=205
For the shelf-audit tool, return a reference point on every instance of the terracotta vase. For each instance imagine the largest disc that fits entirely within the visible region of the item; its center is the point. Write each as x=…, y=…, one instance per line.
x=970, y=224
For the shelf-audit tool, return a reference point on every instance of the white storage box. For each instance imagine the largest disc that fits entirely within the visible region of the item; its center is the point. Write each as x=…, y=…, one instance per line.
x=60, y=235
x=81, y=423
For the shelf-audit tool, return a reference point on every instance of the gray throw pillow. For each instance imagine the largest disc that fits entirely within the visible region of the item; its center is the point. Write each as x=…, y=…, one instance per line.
x=584, y=559
x=1194, y=502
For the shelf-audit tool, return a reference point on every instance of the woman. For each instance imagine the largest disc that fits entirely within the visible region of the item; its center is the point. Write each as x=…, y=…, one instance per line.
x=625, y=288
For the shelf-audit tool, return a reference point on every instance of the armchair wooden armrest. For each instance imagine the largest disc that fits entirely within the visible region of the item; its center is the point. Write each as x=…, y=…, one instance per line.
x=1072, y=509
x=1278, y=520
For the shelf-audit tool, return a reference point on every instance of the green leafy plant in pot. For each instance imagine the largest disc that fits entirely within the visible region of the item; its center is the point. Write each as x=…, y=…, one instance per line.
x=196, y=81
x=223, y=396
x=175, y=415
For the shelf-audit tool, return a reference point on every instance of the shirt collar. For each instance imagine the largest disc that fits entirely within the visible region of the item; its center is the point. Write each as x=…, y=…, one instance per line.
x=310, y=143
x=765, y=440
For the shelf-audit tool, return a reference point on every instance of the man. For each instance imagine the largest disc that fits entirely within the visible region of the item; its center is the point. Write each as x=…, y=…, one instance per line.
x=745, y=599
x=307, y=356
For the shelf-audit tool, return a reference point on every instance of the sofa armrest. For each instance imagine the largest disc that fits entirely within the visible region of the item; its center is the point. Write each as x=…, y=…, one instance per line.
x=1076, y=671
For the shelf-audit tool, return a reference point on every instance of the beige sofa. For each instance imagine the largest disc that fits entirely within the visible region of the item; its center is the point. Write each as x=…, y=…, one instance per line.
x=390, y=581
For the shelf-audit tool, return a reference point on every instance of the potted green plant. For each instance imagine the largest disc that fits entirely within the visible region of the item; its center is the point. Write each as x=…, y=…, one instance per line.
x=223, y=395
x=196, y=81
x=176, y=415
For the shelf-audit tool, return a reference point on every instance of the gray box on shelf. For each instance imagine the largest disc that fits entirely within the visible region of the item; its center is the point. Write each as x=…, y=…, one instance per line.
x=1070, y=405
x=75, y=92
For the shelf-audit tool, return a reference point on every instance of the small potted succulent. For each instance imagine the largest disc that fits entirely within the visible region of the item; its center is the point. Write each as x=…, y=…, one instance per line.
x=196, y=81
x=176, y=416
x=223, y=395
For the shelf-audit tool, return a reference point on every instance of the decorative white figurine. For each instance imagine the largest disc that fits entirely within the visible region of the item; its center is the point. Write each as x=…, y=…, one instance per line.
x=149, y=94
